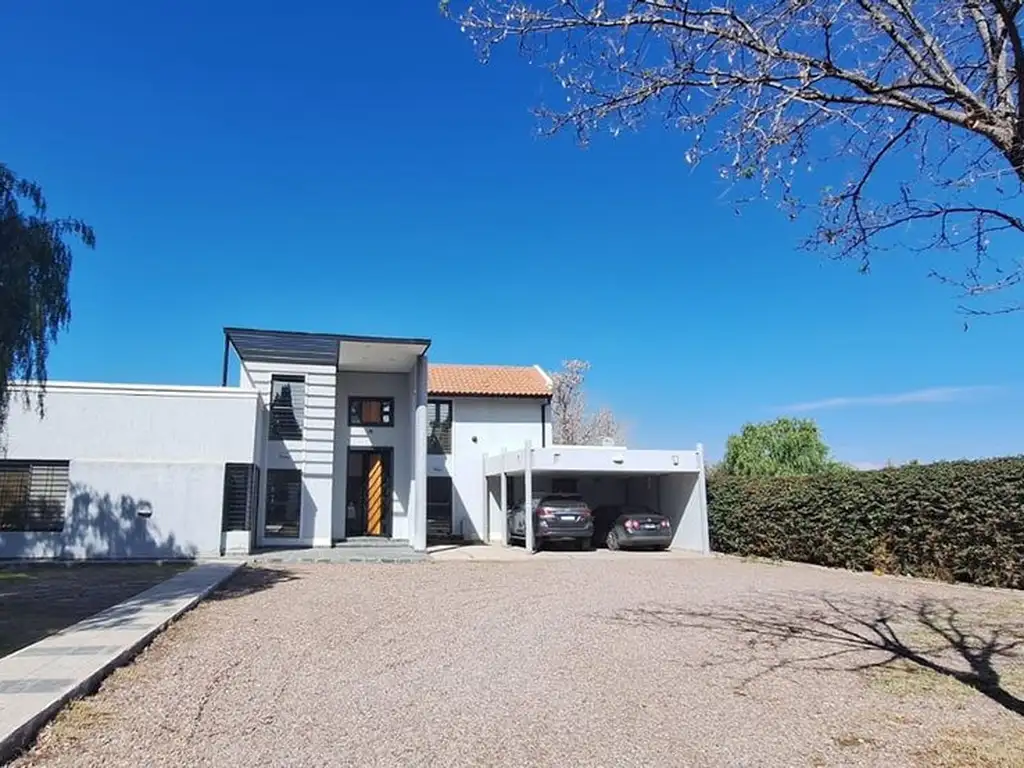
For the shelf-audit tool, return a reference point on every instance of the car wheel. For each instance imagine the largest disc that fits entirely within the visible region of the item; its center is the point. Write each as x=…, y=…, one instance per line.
x=612, y=540
x=585, y=545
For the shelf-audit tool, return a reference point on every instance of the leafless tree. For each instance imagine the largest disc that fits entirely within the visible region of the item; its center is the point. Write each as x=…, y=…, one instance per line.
x=573, y=423
x=898, y=123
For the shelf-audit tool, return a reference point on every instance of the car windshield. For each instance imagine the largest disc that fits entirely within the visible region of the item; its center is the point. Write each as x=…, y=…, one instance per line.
x=562, y=500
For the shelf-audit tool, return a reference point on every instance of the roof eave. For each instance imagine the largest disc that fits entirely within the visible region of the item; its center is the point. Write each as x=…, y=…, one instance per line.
x=503, y=395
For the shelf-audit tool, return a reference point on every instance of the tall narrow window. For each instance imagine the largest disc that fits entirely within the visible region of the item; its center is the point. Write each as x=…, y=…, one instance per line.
x=371, y=411
x=439, y=507
x=439, y=426
x=287, y=401
x=33, y=495
x=284, y=503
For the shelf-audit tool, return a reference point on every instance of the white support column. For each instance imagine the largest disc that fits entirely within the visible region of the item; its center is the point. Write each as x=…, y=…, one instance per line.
x=702, y=500
x=531, y=535
x=418, y=513
x=503, y=491
x=486, y=535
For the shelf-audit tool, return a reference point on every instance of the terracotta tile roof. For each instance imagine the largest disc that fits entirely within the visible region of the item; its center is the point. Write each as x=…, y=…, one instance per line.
x=497, y=380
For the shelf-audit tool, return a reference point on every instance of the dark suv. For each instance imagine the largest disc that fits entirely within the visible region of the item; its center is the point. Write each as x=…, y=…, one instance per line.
x=556, y=517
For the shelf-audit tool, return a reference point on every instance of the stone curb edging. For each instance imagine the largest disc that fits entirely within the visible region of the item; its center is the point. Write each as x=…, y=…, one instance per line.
x=13, y=743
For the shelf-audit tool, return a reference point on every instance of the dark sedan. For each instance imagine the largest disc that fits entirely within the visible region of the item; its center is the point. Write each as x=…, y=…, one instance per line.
x=623, y=526
x=556, y=517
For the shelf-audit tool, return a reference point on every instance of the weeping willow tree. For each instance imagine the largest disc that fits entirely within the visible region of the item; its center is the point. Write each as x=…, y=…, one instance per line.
x=35, y=269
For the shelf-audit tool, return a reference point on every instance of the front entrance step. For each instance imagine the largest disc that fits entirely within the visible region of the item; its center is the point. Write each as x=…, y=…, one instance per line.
x=363, y=542
x=396, y=553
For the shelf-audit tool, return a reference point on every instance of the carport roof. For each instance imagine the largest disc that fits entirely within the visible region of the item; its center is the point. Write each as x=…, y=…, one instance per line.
x=571, y=460
x=254, y=344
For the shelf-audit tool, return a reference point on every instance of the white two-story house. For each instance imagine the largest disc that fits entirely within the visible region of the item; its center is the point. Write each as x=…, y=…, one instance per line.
x=315, y=440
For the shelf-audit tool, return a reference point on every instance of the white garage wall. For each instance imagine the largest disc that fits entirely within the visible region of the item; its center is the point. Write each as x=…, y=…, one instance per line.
x=682, y=499
x=146, y=467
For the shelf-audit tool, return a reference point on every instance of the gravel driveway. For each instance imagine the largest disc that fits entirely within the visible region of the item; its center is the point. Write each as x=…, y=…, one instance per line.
x=690, y=662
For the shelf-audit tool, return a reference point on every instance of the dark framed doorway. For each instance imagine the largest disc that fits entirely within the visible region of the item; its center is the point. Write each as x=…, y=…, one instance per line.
x=369, y=492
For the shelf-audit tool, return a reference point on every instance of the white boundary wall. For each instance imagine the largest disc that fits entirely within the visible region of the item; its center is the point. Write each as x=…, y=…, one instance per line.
x=147, y=466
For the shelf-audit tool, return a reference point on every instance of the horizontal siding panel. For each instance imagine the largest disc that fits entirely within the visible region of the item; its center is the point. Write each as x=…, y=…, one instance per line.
x=319, y=441
x=319, y=392
x=319, y=429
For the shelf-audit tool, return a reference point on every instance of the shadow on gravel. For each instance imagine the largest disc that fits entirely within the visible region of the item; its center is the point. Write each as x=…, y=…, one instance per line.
x=825, y=634
x=250, y=579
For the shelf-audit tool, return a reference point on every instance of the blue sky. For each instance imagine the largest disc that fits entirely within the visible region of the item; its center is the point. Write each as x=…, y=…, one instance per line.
x=335, y=167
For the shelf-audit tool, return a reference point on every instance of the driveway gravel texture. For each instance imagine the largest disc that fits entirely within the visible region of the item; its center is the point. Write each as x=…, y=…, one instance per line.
x=623, y=662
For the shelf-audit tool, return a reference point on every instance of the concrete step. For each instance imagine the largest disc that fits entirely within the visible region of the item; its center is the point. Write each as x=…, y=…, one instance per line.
x=368, y=542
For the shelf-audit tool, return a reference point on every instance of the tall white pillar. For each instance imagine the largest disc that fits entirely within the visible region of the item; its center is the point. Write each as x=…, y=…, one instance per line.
x=418, y=513
x=531, y=535
x=504, y=506
x=486, y=533
x=701, y=490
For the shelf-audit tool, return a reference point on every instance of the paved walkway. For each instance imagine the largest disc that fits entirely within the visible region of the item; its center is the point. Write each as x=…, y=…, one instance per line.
x=37, y=680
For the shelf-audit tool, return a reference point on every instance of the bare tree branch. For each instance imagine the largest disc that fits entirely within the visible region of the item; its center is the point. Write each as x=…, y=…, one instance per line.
x=919, y=103
x=573, y=423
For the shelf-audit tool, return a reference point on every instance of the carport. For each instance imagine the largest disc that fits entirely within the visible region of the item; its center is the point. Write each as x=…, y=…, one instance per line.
x=672, y=482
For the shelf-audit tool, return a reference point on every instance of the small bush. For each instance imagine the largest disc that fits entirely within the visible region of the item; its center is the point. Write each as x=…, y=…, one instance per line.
x=955, y=521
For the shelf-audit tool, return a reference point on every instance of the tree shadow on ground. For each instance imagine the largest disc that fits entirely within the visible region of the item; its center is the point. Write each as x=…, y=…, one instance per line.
x=250, y=579
x=824, y=633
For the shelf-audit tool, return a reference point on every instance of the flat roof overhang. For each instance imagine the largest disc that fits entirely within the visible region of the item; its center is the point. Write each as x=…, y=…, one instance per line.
x=345, y=352
x=579, y=459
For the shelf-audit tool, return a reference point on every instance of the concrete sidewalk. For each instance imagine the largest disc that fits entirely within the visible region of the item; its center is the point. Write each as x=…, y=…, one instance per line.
x=38, y=680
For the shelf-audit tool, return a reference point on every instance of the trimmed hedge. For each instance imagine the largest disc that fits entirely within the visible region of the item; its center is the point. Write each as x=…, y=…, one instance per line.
x=955, y=521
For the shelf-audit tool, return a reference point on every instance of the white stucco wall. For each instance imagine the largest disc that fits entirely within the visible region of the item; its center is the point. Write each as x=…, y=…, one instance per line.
x=146, y=467
x=497, y=424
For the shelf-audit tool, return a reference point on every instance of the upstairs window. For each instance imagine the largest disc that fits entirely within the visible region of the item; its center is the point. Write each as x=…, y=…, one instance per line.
x=371, y=411
x=439, y=427
x=287, y=402
x=33, y=495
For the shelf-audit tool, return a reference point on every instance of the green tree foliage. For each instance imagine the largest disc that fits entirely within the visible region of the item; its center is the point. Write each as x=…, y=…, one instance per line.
x=35, y=268
x=778, y=448
x=956, y=521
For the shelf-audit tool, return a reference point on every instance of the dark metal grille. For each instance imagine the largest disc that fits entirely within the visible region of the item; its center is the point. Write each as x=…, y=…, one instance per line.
x=439, y=507
x=284, y=503
x=439, y=427
x=33, y=495
x=241, y=492
x=287, y=406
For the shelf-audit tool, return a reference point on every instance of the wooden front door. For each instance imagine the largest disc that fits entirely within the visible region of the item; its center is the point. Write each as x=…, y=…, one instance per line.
x=369, y=492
